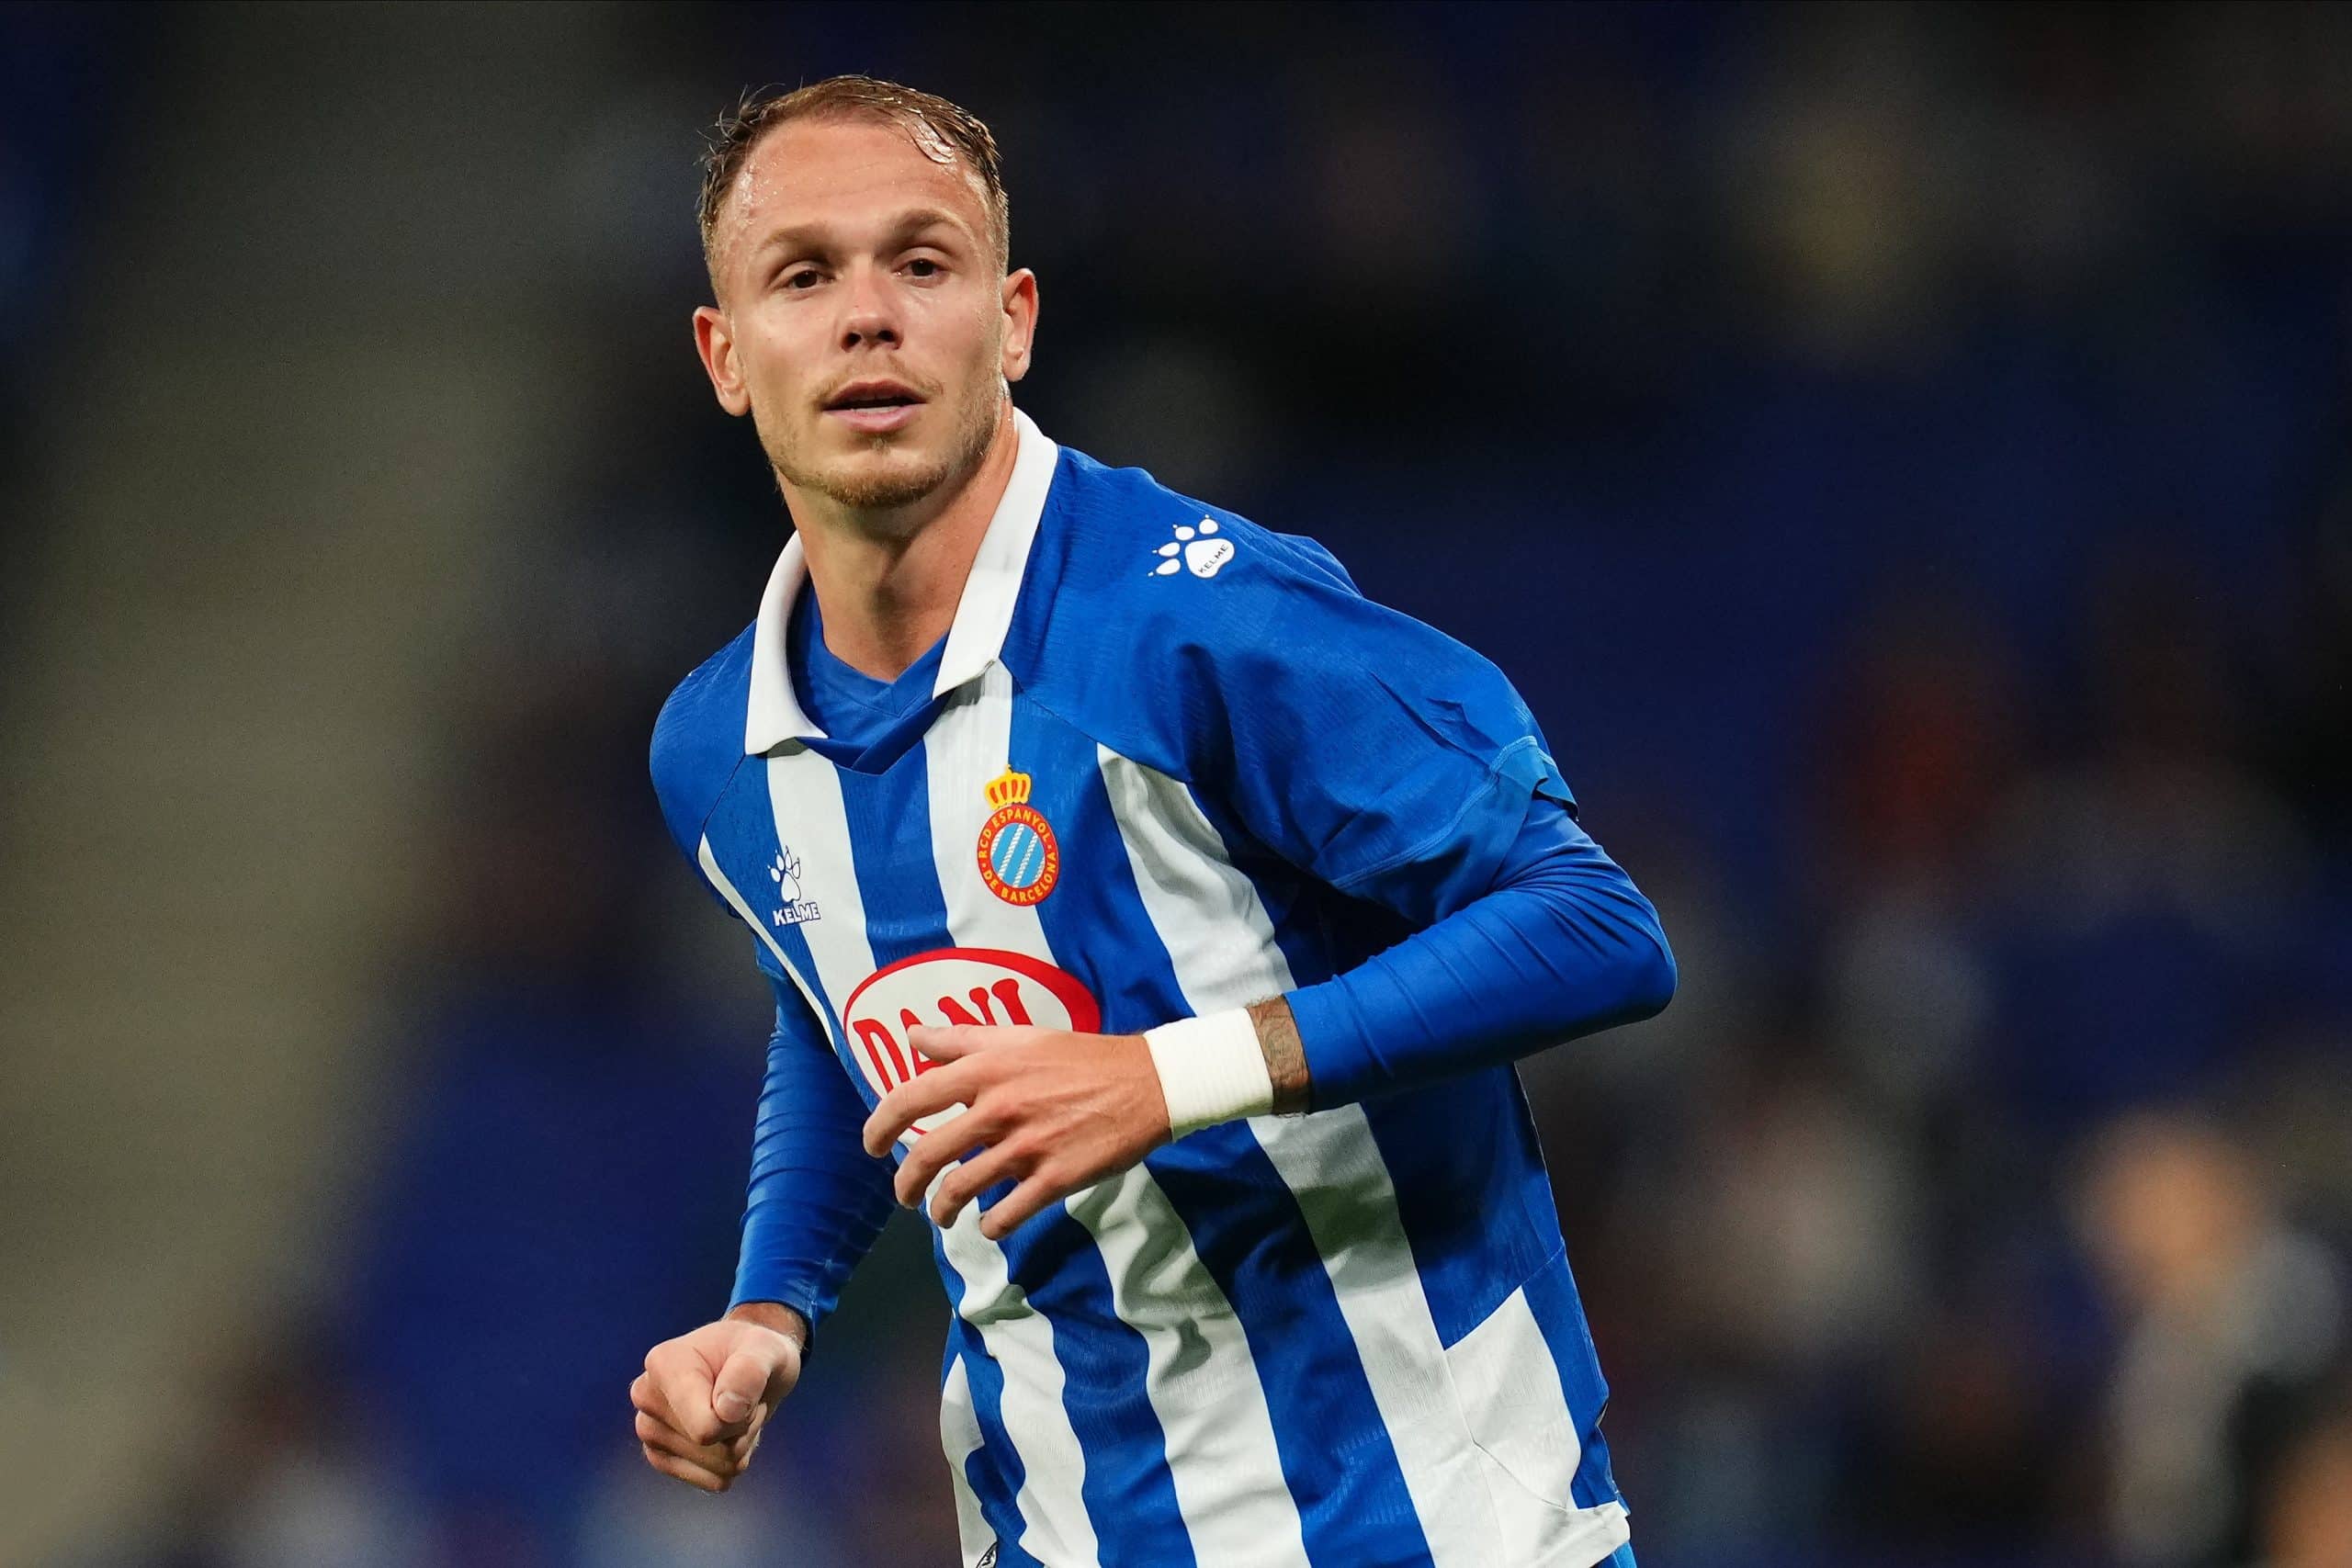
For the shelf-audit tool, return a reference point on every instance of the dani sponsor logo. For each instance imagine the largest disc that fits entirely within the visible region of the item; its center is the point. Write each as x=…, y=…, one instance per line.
x=950, y=985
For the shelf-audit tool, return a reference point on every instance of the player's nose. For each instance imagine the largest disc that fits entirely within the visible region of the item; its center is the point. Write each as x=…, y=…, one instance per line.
x=868, y=318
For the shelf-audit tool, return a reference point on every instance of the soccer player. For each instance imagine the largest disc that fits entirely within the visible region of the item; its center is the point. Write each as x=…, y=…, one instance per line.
x=1169, y=915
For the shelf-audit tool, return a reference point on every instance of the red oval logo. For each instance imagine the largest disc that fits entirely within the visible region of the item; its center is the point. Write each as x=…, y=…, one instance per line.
x=955, y=984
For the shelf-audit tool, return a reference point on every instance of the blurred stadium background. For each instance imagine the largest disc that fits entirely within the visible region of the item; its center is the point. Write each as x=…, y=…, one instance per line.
x=1901, y=453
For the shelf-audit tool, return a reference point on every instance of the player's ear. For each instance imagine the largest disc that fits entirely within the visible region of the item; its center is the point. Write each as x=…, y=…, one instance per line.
x=715, y=341
x=1020, y=321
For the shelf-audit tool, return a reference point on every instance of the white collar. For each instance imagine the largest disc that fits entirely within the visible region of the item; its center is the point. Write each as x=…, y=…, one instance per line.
x=982, y=615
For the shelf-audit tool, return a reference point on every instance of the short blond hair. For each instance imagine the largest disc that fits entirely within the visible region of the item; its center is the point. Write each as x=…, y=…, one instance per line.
x=925, y=116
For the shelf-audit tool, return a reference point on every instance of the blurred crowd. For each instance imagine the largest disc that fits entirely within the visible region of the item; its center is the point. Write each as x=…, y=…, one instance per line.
x=1901, y=455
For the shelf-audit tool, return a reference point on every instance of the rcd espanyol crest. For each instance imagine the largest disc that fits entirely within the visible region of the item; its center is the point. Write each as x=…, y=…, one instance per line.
x=1019, y=859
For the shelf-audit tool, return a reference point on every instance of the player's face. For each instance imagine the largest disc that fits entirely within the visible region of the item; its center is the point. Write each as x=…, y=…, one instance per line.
x=863, y=321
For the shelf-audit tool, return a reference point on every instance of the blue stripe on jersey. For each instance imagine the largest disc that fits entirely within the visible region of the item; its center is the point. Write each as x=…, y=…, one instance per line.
x=993, y=1470
x=1353, y=1503
x=803, y=963
x=1094, y=912
x=890, y=823
x=1129, y=1494
x=1552, y=1297
x=1475, y=1202
x=1009, y=1555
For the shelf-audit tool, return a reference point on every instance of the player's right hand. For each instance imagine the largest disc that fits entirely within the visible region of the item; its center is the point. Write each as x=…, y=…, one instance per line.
x=705, y=1397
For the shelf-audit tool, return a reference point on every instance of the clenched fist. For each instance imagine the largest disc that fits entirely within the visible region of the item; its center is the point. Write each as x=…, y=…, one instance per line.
x=705, y=1397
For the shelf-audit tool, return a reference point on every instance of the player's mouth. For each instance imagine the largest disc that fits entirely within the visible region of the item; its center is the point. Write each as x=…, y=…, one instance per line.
x=874, y=406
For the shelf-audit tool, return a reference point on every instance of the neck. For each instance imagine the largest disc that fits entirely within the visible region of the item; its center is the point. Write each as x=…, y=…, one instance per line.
x=888, y=584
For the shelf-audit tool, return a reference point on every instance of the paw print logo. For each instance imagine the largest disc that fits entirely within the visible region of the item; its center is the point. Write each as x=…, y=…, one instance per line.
x=791, y=909
x=1195, y=548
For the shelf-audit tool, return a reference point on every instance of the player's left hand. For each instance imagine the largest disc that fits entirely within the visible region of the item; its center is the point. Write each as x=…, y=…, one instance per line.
x=1056, y=1111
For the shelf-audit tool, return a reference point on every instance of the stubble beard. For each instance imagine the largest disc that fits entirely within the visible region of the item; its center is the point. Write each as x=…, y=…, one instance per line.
x=877, y=496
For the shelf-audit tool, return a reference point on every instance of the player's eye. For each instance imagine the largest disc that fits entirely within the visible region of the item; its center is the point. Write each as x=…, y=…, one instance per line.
x=802, y=279
x=923, y=266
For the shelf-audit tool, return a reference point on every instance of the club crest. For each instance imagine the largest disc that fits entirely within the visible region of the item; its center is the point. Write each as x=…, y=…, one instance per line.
x=1020, y=860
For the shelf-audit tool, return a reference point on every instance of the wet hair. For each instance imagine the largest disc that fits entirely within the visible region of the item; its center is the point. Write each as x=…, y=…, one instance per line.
x=932, y=121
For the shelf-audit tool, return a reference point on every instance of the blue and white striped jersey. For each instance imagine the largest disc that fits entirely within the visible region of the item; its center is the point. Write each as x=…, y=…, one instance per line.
x=1174, y=764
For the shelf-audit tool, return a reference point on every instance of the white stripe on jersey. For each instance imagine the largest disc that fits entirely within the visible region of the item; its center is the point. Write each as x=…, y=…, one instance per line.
x=960, y=1436
x=1222, y=945
x=966, y=746
x=806, y=794
x=1526, y=1441
x=811, y=826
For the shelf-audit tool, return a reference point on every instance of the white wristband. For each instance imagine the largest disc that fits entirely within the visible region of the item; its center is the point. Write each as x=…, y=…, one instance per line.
x=1211, y=1069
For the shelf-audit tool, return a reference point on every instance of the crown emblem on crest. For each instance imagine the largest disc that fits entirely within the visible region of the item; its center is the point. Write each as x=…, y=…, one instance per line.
x=1008, y=788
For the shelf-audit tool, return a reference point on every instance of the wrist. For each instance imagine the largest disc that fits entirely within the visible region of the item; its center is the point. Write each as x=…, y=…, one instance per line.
x=774, y=1315
x=1285, y=1054
x=1211, y=1069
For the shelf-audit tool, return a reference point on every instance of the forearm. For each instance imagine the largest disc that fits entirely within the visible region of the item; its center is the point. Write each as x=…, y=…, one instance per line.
x=808, y=1223
x=1519, y=970
x=1563, y=945
x=816, y=1200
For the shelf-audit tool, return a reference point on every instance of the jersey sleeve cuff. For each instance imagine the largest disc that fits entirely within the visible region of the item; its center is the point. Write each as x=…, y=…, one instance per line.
x=1342, y=1064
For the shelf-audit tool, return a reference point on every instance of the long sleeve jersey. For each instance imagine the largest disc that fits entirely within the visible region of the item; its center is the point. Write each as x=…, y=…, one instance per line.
x=1168, y=763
